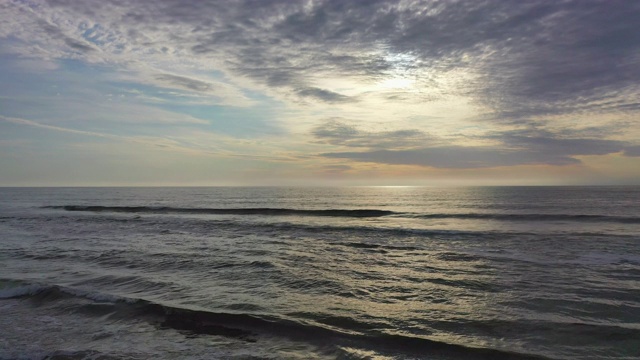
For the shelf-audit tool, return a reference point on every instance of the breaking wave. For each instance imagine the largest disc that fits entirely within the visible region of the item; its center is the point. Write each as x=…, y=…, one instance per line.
x=243, y=326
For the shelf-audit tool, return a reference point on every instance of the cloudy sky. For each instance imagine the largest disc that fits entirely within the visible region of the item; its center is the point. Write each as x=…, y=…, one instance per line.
x=262, y=92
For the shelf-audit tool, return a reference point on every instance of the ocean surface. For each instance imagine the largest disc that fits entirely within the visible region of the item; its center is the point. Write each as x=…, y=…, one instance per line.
x=320, y=273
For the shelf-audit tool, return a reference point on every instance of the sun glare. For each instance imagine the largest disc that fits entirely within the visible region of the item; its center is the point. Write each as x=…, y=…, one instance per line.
x=396, y=83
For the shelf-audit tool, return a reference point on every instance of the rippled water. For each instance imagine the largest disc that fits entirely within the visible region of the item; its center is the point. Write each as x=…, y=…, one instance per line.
x=349, y=273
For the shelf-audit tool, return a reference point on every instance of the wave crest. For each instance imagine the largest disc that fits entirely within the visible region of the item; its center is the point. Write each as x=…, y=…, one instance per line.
x=230, y=211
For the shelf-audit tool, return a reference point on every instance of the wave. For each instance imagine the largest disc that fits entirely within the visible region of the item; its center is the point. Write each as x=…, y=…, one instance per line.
x=380, y=247
x=247, y=327
x=14, y=289
x=354, y=213
x=533, y=217
x=231, y=211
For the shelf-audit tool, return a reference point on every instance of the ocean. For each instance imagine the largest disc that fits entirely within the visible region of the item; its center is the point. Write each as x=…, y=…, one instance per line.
x=320, y=273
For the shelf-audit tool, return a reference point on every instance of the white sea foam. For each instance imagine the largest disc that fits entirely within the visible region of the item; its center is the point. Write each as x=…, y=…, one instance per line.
x=20, y=290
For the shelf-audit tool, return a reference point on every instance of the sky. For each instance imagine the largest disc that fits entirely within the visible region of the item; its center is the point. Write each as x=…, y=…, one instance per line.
x=265, y=92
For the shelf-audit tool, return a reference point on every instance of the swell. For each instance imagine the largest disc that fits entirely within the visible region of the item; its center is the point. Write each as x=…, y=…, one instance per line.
x=534, y=217
x=354, y=213
x=243, y=326
x=241, y=227
x=231, y=211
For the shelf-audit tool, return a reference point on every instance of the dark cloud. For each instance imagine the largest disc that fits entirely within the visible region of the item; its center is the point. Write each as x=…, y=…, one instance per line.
x=454, y=157
x=545, y=143
x=336, y=132
x=516, y=148
x=362, y=66
x=278, y=78
x=572, y=57
x=185, y=82
x=55, y=33
x=632, y=151
x=323, y=95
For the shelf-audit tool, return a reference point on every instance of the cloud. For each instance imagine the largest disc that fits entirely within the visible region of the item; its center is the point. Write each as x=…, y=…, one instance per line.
x=323, y=95
x=632, y=151
x=551, y=145
x=414, y=147
x=206, y=89
x=185, y=82
x=334, y=169
x=223, y=93
x=453, y=157
x=529, y=57
x=536, y=72
x=57, y=128
x=175, y=143
x=515, y=148
x=337, y=132
x=56, y=33
x=146, y=140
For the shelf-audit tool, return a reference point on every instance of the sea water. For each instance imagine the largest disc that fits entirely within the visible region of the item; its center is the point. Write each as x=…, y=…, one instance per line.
x=326, y=273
